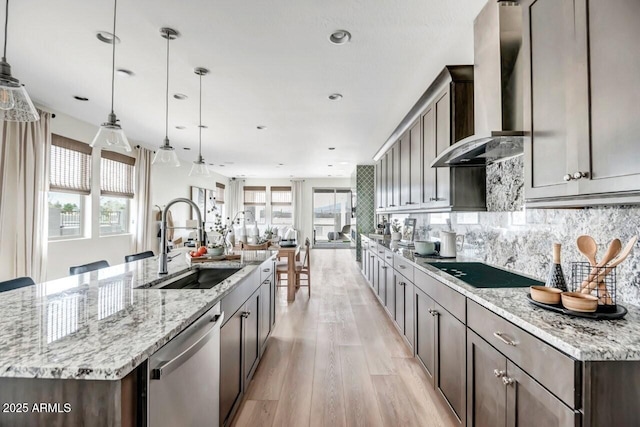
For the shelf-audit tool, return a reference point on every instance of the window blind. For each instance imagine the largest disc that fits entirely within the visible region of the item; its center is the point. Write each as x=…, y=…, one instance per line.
x=281, y=196
x=255, y=195
x=116, y=174
x=70, y=166
x=219, y=193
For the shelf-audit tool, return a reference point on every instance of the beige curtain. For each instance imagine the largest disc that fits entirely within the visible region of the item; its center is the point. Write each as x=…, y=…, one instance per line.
x=236, y=197
x=144, y=237
x=24, y=177
x=297, y=186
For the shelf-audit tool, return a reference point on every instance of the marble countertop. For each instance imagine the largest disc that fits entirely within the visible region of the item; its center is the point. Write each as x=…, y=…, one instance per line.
x=101, y=325
x=582, y=339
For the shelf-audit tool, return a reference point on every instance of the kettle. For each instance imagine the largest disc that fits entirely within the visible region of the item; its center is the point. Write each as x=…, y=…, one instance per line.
x=450, y=244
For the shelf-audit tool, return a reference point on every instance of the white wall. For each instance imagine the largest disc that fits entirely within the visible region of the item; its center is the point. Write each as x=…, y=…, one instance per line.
x=165, y=185
x=307, y=200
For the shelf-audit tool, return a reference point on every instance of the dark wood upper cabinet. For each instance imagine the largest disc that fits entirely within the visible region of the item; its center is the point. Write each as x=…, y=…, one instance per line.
x=395, y=177
x=405, y=170
x=428, y=121
x=581, y=89
x=415, y=163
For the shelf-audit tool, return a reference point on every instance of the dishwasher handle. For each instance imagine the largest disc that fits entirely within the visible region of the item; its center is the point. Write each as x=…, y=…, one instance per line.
x=167, y=367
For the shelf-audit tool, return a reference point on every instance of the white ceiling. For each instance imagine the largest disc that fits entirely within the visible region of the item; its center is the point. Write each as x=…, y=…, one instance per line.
x=271, y=64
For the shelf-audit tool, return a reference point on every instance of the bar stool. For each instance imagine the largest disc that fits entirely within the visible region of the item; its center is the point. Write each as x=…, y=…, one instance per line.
x=17, y=283
x=92, y=266
x=137, y=257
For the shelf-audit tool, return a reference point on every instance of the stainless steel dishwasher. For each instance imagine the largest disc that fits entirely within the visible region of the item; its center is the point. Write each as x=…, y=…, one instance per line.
x=184, y=376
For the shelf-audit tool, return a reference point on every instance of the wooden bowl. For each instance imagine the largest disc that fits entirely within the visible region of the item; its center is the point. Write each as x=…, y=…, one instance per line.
x=545, y=295
x=576, y=301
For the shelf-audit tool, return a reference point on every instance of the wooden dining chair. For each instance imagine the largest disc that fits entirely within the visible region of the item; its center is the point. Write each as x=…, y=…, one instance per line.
x=137, y=257
x=303, y=267
x=92, y=266
x=17, y=283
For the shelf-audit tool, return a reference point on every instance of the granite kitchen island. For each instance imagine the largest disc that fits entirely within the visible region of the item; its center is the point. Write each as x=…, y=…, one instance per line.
x=79, y=344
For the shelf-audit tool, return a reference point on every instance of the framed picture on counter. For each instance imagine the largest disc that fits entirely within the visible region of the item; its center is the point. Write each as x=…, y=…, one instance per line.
x=409, y=230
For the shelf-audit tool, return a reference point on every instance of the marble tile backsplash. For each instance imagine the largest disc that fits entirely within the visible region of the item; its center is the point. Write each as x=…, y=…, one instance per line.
x=523, y=240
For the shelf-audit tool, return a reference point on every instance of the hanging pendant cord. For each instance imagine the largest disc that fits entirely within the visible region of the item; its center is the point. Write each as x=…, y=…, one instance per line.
x=166, y=115
x=113, y=54
x=200, y=127
x=6, y=24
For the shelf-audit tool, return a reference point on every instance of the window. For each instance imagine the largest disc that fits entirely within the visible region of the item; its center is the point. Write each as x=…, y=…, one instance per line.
x=281, y=208
x=220, y=200
x=116, y=191
x=255, y=203
x=69, y=184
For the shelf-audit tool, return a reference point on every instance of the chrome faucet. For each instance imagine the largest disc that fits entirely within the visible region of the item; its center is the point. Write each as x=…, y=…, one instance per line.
x=162, y=259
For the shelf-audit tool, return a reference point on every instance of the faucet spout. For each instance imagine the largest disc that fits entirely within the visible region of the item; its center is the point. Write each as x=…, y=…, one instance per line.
x=163, y=258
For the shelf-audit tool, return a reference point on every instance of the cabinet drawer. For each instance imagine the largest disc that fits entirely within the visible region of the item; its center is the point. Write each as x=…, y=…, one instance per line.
x=380, y=251
x=559, y=373
x=373, y=247
x=403, y=267
x=388, y=256
x=266, y=270
x=449, y=299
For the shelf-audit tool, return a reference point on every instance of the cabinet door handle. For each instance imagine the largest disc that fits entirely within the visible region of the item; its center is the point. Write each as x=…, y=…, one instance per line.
x=575, y=176
x=389, y=257
x=246, y=314
x=499, y=373
x=384, y=268
x=392, y=206
x=402, y=266
x=266, y=270
x=403, y=284
x=501, y=337
x=434, y=199
x=507, y=381
x=433, y=312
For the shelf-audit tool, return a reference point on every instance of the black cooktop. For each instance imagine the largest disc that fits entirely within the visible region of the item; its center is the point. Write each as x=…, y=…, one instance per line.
x=481, y=275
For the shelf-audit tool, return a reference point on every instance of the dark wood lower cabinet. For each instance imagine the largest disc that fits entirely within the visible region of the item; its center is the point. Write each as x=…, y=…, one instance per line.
x=251, y=335
x=265, y=313
x=390, y=291
x=425, y=332
x=501, y=394
x=486, y=394
x=231, y=373
x=450, y=361
x=382, y=281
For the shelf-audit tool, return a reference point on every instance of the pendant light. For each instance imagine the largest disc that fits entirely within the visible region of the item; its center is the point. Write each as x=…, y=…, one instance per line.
x=110, y=133
x=166, y=154
x=15, y=104
x=199, y=167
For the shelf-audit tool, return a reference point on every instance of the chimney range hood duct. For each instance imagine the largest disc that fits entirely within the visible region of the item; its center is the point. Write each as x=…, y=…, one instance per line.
x=498, y=99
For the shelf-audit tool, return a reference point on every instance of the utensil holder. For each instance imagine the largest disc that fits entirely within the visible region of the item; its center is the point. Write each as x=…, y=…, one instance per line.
x=604, y=279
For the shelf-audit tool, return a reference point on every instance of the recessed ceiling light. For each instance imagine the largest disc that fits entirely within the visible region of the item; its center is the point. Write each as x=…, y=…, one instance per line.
x=180, y=127
x=261, y=127
x=280, y=164
x=340, y=37
x=221, y=166
x=335, y=96
x=80, y=98
x=211, y=164
x=228, y=163
x=330, y=166
x=187, y=148
x=332, y=148
x=106, y=37
x=123, y=72
x=180, y=96
x=203, y=126
x=328, y=175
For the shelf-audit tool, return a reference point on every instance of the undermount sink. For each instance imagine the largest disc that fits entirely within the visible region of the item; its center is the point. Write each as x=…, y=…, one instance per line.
x=480, y=275
x=205, y=278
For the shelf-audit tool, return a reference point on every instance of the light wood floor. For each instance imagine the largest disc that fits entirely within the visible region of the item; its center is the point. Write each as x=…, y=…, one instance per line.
x=335, y=359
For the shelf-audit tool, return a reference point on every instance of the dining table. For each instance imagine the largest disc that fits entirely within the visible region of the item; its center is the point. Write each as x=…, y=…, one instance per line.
x=292, y=254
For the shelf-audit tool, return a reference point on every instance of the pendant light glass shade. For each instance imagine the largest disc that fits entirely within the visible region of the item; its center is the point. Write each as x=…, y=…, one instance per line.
x=199, y=167
x=15, y=104
x=110, y=134
x=166, y=155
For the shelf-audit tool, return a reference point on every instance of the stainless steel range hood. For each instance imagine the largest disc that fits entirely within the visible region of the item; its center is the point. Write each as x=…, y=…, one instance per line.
x=498, y=99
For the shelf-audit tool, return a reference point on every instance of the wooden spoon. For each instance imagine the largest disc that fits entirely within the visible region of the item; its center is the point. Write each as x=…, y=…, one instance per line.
x=588, y=247
x=612, y=251
x=624, y=253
